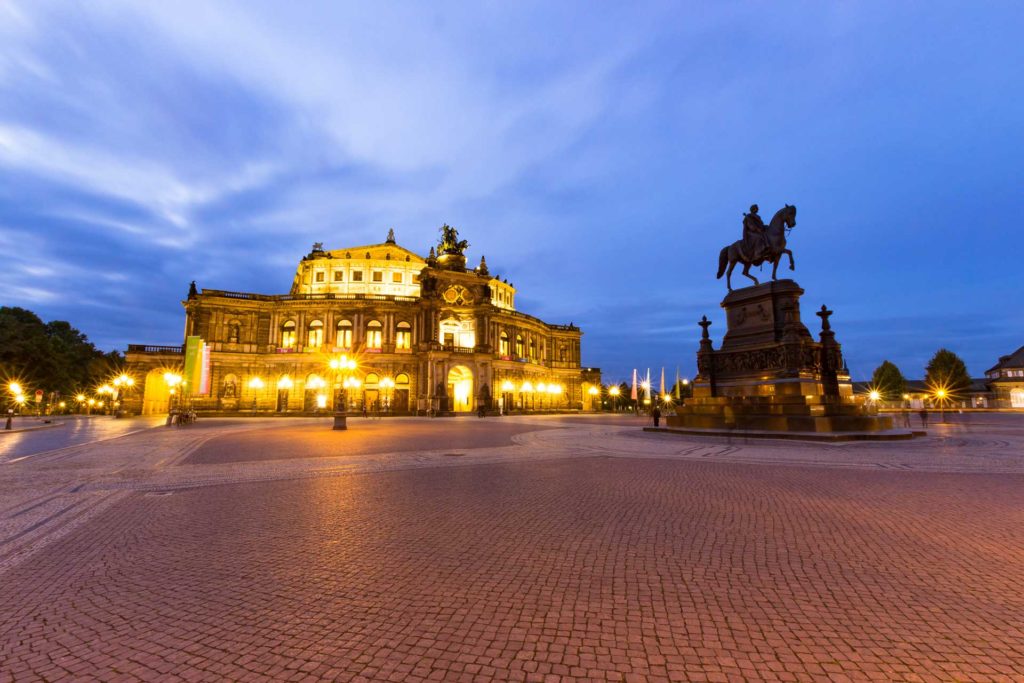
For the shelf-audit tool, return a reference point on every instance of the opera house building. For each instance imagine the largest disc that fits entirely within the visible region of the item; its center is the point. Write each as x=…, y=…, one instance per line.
x=376, y=328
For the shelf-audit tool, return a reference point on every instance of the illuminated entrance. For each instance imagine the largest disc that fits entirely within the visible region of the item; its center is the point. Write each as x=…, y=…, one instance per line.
x=460, y=388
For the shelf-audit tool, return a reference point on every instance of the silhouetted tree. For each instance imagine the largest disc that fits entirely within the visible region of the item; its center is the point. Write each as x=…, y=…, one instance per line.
x=947, y=371
x=889, y=381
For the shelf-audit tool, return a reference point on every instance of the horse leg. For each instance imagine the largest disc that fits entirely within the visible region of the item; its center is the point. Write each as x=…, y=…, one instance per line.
x=792, y=265
x=728, y=275
x=775, y=266
x=746, y=271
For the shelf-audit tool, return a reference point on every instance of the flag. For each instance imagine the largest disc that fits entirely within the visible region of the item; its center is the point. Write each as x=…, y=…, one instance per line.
x=662, y=390
x=675, y=387
x=633, y=393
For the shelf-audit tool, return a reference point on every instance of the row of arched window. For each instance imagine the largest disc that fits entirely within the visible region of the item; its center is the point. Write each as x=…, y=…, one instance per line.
x=343, y=335
x=506, y=347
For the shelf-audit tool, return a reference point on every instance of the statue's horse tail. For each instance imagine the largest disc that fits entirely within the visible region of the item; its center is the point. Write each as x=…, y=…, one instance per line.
x=723, y=261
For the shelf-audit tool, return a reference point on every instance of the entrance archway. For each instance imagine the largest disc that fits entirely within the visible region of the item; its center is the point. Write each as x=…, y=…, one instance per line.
x=460, y=388
x=156, y=396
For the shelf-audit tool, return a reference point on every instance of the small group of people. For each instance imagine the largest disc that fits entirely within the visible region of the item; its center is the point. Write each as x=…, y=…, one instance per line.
x=178, y=418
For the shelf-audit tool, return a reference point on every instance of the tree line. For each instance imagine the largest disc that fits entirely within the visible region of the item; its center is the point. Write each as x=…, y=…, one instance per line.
x=945, y=371
x=51, y=356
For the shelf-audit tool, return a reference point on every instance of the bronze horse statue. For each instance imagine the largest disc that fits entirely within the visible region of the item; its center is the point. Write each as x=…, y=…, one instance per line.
x=775, y=234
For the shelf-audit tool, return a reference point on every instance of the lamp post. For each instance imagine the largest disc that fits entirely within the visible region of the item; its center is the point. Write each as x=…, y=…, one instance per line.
x=507, y=389
x=387, y=384
x=255, y=383
x=527, y=388
x=173, y=380
x=614, y=393
x=941, y=394
x=593, y=391
x=343, y=367
x=121, y=382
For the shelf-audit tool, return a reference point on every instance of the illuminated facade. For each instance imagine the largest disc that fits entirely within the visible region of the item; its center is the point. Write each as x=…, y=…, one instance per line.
x=427, y=334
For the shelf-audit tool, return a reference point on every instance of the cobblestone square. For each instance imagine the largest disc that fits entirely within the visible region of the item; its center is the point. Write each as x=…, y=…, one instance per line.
x=513, y=549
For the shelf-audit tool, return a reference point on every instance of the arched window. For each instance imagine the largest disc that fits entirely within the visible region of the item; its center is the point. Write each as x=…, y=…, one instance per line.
x=1017, y=398
x=403, y=336
x=372, y=379
x=288, y=335
x=315, y=335
x=402, y=380
x=344, y=338
x=519, y=346
x=373, y=334
x=503, y=344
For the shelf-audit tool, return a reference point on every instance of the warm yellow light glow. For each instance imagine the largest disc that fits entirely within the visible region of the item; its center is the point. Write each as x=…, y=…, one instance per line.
x=645, y=385
x=906, y=397
x=20, y=398
x=554, y=389
x=592, y=391
x=387, y=383
x=508, y=386
x=100, y=404
x=255, y=383
x=80, y=398
x=285, y=383
x=685, y=381
x=940, y=393
x=14, y=387
x=614, y=391
x=62, y=404
x=541, y=387
x=666, y=398
x=172, y=379
x=92, y=401
x=527, y=387
x=874, y=395
x=321, y=401
x=106, y=389
x=315, y=382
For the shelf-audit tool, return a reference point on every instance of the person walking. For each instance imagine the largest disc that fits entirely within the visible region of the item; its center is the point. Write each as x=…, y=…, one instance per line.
x=656, y=414
x=924, y=417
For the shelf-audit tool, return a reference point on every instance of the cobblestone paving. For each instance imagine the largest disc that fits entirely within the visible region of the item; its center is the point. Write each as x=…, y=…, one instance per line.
x=588, y=552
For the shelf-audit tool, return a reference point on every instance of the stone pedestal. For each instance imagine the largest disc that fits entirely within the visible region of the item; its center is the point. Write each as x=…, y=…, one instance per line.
x=770, y=374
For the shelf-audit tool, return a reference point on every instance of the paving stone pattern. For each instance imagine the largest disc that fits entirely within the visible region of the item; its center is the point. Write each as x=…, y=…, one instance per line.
x=588, y=552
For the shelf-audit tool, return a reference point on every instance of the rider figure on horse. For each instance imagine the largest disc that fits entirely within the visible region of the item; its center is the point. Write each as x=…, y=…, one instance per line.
x=755, y=239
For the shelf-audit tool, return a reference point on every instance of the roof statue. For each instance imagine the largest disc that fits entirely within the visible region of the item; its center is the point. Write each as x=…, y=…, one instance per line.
x=482, y=268
x=450, y=242
x=318, y=246
x=760, y=244
x=391, y=236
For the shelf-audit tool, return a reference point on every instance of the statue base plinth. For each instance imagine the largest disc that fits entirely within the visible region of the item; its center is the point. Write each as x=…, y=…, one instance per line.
x=770, y=374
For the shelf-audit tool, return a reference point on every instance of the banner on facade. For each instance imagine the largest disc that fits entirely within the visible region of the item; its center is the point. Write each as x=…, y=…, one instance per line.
x=197, y=367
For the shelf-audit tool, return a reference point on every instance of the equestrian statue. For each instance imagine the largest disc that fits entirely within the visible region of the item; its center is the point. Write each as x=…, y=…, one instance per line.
x=760, y=244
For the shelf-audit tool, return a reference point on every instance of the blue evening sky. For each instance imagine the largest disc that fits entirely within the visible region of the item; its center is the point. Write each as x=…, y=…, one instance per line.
x=599, y=154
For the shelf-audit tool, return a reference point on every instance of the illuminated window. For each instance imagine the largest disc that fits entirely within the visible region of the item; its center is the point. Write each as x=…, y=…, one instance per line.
x=415, y=278
x=288, y=335
x=533, y=350
x=371, y=379
x=396, y=277
x=402, y=380
x=378, y=276
x=519, y=346
x=319, y=275
x=403, y=336
x=315, y=337
x=339, y=276
x=344, y=338
x=373, y=334
x=503, y=344
x=357, y=276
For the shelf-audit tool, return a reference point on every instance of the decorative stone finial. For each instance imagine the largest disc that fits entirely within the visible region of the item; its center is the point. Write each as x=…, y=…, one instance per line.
x=192, y=291
x=431, y=256
x=704, y=324
x=318, y=246
x=824, y=313
x=482, y=268
x=391, y=236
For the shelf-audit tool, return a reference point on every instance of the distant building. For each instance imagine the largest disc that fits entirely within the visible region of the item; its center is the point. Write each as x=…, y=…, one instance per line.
x=428, y=334
x=1002, y=387
x=1006, y=380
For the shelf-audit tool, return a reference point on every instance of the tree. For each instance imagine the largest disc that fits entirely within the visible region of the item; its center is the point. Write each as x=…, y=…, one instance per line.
x=50, y=356
x=889, y=381
x=947, y=371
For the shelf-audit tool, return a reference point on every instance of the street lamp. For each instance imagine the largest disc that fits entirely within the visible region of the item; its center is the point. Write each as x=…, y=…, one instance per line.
x=527, y=388
x=593, y=391
x=614, y=393
x=507, y=388
x=255, y=383
x=941, y=394
x=387, y=384
x=122, y=381
x=343, y=367
x=173, y=380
